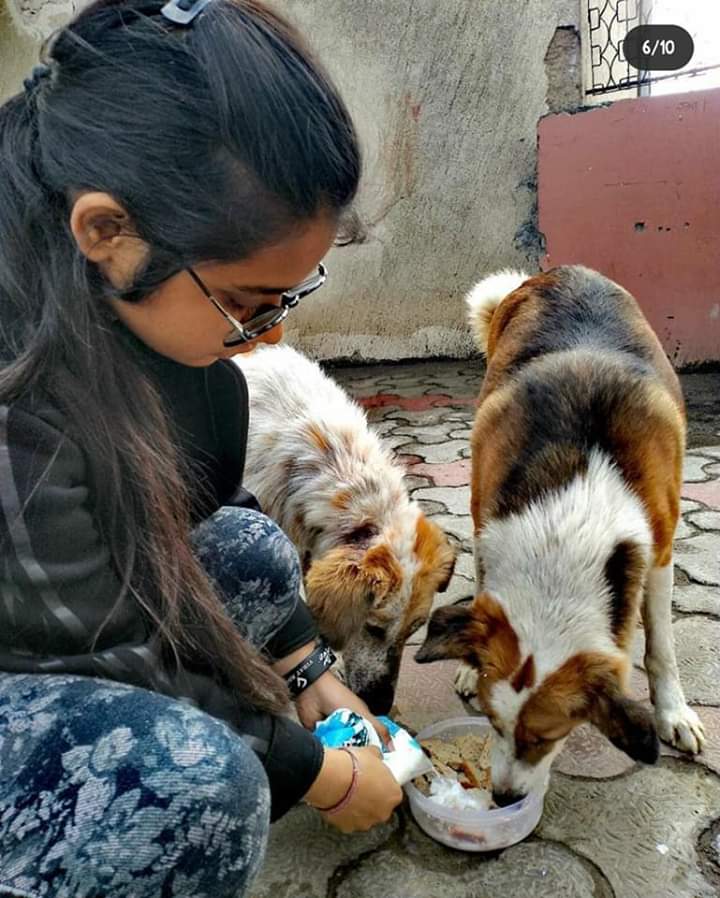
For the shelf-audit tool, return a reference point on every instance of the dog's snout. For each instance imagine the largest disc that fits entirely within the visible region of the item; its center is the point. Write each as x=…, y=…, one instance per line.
x=505, y=799
x=379, y=697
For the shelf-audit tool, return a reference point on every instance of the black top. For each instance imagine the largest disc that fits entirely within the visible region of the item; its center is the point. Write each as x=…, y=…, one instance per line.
x=57, y=584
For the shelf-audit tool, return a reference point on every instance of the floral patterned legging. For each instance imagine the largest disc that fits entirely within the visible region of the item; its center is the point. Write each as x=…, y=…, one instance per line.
x=110, y=791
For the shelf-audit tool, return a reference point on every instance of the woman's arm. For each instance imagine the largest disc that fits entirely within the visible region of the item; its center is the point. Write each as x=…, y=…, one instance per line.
x=58, y=586
x=56, y=573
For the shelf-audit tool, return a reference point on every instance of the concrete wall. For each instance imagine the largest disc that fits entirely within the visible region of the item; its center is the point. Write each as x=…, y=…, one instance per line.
x=632, y=190
x=23, y=26
x=446, y=96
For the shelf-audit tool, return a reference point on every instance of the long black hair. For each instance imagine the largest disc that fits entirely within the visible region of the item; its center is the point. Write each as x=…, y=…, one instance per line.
x=216, y=139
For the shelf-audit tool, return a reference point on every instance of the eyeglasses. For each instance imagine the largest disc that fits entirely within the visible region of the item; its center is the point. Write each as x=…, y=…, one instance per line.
x=267, y=316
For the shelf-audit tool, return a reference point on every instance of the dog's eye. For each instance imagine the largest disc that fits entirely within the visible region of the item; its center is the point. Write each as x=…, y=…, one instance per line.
x=375, y=632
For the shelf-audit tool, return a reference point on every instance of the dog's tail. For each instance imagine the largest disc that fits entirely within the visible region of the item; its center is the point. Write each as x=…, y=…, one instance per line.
x=485, y=297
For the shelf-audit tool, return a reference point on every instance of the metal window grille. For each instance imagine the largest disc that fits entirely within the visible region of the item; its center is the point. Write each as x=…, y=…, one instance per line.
x=609, y=21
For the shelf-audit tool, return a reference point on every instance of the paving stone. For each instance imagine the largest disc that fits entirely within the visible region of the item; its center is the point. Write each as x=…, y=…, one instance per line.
x=705, y=520
x=435, y=433
x=356, y=385
x=712, y=451
x=396, y=388
x=460, y=526
x=707, y=493
x=421, y=438
x=529, y=870
x=695, y=598
x=303, y=852
x=393, y=442
x=385, y=428
x=589, y=753
x=455, y=499
x=413, y=482
x=459, y=588
x=697, y=646
x=415, y=403
x=639, y=688
x=459, y=415
x=465, y=565
x=699, y=558
x=425, y=692
x=693, y=469
x=428, y=506
x=429, y=418
x=684, y=530
x=440, y=453
x=619, y=825
x=687, y=505
x=456, y=473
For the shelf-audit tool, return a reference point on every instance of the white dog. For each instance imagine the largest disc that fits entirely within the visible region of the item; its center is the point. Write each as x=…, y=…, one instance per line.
x=577, y=454
x=372, y=561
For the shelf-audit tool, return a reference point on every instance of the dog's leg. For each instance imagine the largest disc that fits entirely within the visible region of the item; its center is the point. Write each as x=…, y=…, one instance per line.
x=466, y=677
x=677, y=724
x=466, y=682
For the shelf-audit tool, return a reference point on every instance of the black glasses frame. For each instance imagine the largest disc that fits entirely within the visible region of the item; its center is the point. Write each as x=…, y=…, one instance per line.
x=267, y=316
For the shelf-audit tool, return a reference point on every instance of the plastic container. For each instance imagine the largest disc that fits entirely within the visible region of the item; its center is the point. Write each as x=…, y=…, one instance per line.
x=473, y=830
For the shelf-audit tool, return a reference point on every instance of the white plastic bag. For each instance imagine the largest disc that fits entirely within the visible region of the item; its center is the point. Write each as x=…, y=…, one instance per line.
x=345, y=728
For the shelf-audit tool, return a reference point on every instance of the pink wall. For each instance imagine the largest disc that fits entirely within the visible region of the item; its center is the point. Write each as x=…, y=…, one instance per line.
x=633, y=190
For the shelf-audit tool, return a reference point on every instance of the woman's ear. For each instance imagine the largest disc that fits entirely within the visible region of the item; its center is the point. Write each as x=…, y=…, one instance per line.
x=104, y=234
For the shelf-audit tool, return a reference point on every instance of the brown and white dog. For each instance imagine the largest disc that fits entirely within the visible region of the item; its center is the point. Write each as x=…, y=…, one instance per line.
x=577, y=454
x=372, y=561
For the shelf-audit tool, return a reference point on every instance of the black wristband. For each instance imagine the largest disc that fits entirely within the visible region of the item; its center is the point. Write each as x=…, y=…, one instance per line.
x=310, y=668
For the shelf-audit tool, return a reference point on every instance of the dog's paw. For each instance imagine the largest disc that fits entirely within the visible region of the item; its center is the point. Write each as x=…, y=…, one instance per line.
x=466, y=682
x=680, y=727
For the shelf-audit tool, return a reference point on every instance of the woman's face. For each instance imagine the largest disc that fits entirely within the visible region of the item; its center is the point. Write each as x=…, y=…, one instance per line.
x=180, y=322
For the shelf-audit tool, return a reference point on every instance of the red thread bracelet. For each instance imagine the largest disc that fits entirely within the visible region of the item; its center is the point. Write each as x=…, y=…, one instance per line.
x=352, y=788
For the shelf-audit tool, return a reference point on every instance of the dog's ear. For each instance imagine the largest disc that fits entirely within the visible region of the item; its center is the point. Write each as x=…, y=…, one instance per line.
x=627, y=724
x=345, y=584
x=449, y=634
x=434, y=552
x=598, y=697
x=448, y=569
x=381, y=573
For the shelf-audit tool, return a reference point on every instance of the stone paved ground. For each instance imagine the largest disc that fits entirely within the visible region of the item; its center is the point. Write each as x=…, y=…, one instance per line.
x=611, y=828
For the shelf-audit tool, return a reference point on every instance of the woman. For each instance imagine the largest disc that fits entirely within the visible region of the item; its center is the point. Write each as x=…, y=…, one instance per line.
x=167, y=178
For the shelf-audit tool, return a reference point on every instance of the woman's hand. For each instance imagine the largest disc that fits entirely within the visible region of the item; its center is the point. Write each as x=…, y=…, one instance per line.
x=376, y=795
x=326, y=695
